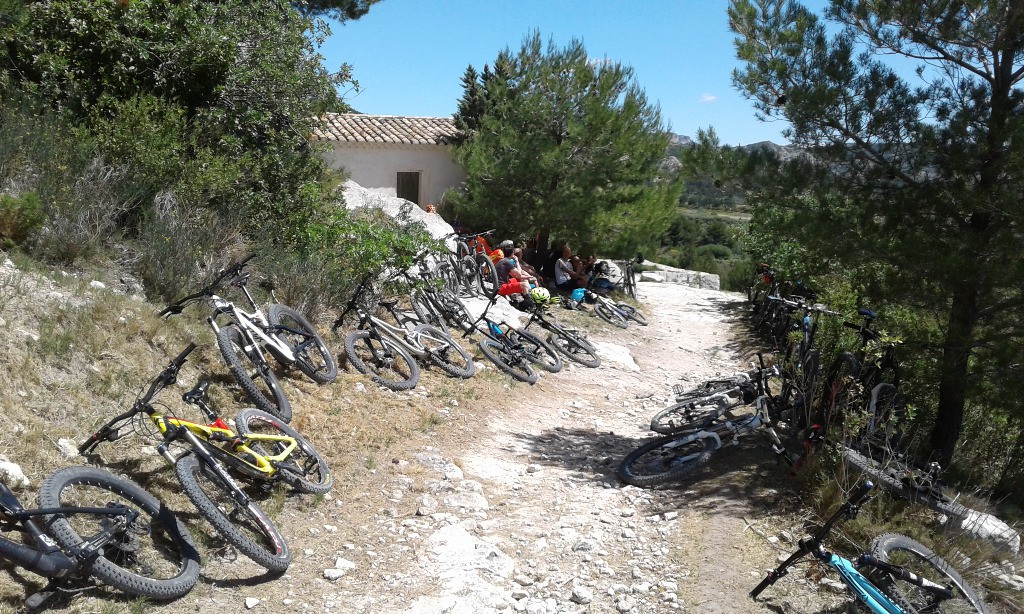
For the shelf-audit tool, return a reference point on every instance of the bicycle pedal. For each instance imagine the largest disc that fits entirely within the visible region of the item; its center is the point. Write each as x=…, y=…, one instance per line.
x=37, y=600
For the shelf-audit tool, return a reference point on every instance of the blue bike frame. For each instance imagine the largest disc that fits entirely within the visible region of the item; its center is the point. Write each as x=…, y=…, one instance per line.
x=868, y=594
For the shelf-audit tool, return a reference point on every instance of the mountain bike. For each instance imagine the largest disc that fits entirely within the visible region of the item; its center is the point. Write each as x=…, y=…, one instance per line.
x=247, y=336
x=700, y=406
x=513, y=350
x=616, y=314
x=762, y=284
x=629, y=276
x=570, y=342
x=676, y=456
x=385, y=351
x=480, y=250
x=260, y=447
x=897, y=575
x=97, y=524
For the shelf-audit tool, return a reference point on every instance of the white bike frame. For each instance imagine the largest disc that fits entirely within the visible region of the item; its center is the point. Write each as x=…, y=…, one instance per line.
x=251, y=325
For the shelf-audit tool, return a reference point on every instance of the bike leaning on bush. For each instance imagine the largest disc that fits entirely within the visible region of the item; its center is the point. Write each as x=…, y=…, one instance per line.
x=260, y=447
x=899, y=575
x=247, y=336
x=92, y=523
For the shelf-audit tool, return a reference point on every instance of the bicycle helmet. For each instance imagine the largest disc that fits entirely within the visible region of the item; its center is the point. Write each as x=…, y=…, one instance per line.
x=541, y=296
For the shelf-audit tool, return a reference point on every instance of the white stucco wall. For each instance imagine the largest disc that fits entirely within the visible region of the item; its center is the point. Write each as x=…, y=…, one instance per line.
x=375, y=167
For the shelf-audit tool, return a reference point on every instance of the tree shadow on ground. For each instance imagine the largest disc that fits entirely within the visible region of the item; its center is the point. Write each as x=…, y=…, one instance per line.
x=745, y=478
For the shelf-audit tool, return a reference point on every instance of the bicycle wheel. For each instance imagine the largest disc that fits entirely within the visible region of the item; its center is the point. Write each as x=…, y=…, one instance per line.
x=488, y=276
x=629, y=282
x=608, y=313
x=304, y=469
x=153, y=556
x=687, y=416
x=468, y=273
x=246, y=527
x=508, y=361
x=444, y=351
x=386, y=362
x=632, y=313
x=537, y=350
x=311, y=353
x=665, y=459
x=574, y=348
x=453, y=310
x=425, y=311
x=253, y=373
x=918, y=559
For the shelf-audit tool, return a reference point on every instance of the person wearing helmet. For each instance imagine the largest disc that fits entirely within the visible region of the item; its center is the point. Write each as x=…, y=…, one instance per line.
x=504, y=250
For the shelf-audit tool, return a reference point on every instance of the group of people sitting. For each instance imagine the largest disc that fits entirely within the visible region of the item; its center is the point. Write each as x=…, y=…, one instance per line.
x=523, y=284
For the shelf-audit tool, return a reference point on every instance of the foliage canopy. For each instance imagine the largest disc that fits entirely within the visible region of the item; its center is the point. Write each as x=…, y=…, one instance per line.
x=917, y=171
x=558, y=144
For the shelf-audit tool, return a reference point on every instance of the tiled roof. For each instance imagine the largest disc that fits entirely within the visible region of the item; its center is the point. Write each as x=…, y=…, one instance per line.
x=355, y=128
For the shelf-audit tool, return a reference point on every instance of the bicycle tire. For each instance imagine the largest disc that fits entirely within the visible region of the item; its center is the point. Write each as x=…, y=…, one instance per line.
x=453, y=310
x=657, y=462
x=311, y=353
x=304, y=469
x=448, y=276
x=386, y=362
x=574, y=348
x=444, y=351
x=901, y=550
x=232, y=348
x=610, y=315
x=468, y=273
x=538, y=351
x=158, y=561
x=516, y=366
x=425, y=311
x=687, y=416
x=888, y=477
x=629, y=282
x=261, y=541
x=632, y=313
x=488, y=275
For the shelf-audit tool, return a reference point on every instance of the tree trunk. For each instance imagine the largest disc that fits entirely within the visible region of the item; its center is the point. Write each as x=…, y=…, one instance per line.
x=953, y=368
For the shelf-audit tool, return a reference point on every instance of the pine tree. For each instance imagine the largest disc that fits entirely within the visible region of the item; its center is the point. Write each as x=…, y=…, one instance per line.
x=558, y=145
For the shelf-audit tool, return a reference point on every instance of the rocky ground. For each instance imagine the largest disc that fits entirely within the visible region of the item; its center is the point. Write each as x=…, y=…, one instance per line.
x=511, y=503
x=516, y=507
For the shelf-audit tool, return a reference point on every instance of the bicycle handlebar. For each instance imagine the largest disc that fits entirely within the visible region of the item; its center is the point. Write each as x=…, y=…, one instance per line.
x=813, y=544
x=178, y=306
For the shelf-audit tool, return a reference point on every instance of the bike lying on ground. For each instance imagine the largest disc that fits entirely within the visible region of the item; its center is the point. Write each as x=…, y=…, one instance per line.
x=513, y=350
x=104, y=526
x=261, y=447
x=570, y=342
x=247, y=336
x=385, y=351
x=898, y=575
x=616, y=314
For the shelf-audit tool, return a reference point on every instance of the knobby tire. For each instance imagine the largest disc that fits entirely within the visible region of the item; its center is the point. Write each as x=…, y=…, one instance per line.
x=154, y=558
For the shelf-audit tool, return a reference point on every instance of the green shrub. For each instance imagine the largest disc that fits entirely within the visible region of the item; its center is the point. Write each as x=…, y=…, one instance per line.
x=718, y=252
x=19, y=218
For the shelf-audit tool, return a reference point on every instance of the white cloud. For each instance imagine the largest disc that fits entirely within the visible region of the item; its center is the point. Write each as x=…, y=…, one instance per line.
x=708, y=98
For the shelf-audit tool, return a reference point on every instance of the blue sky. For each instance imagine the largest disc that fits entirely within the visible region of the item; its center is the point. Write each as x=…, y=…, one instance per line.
x=408, y=55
